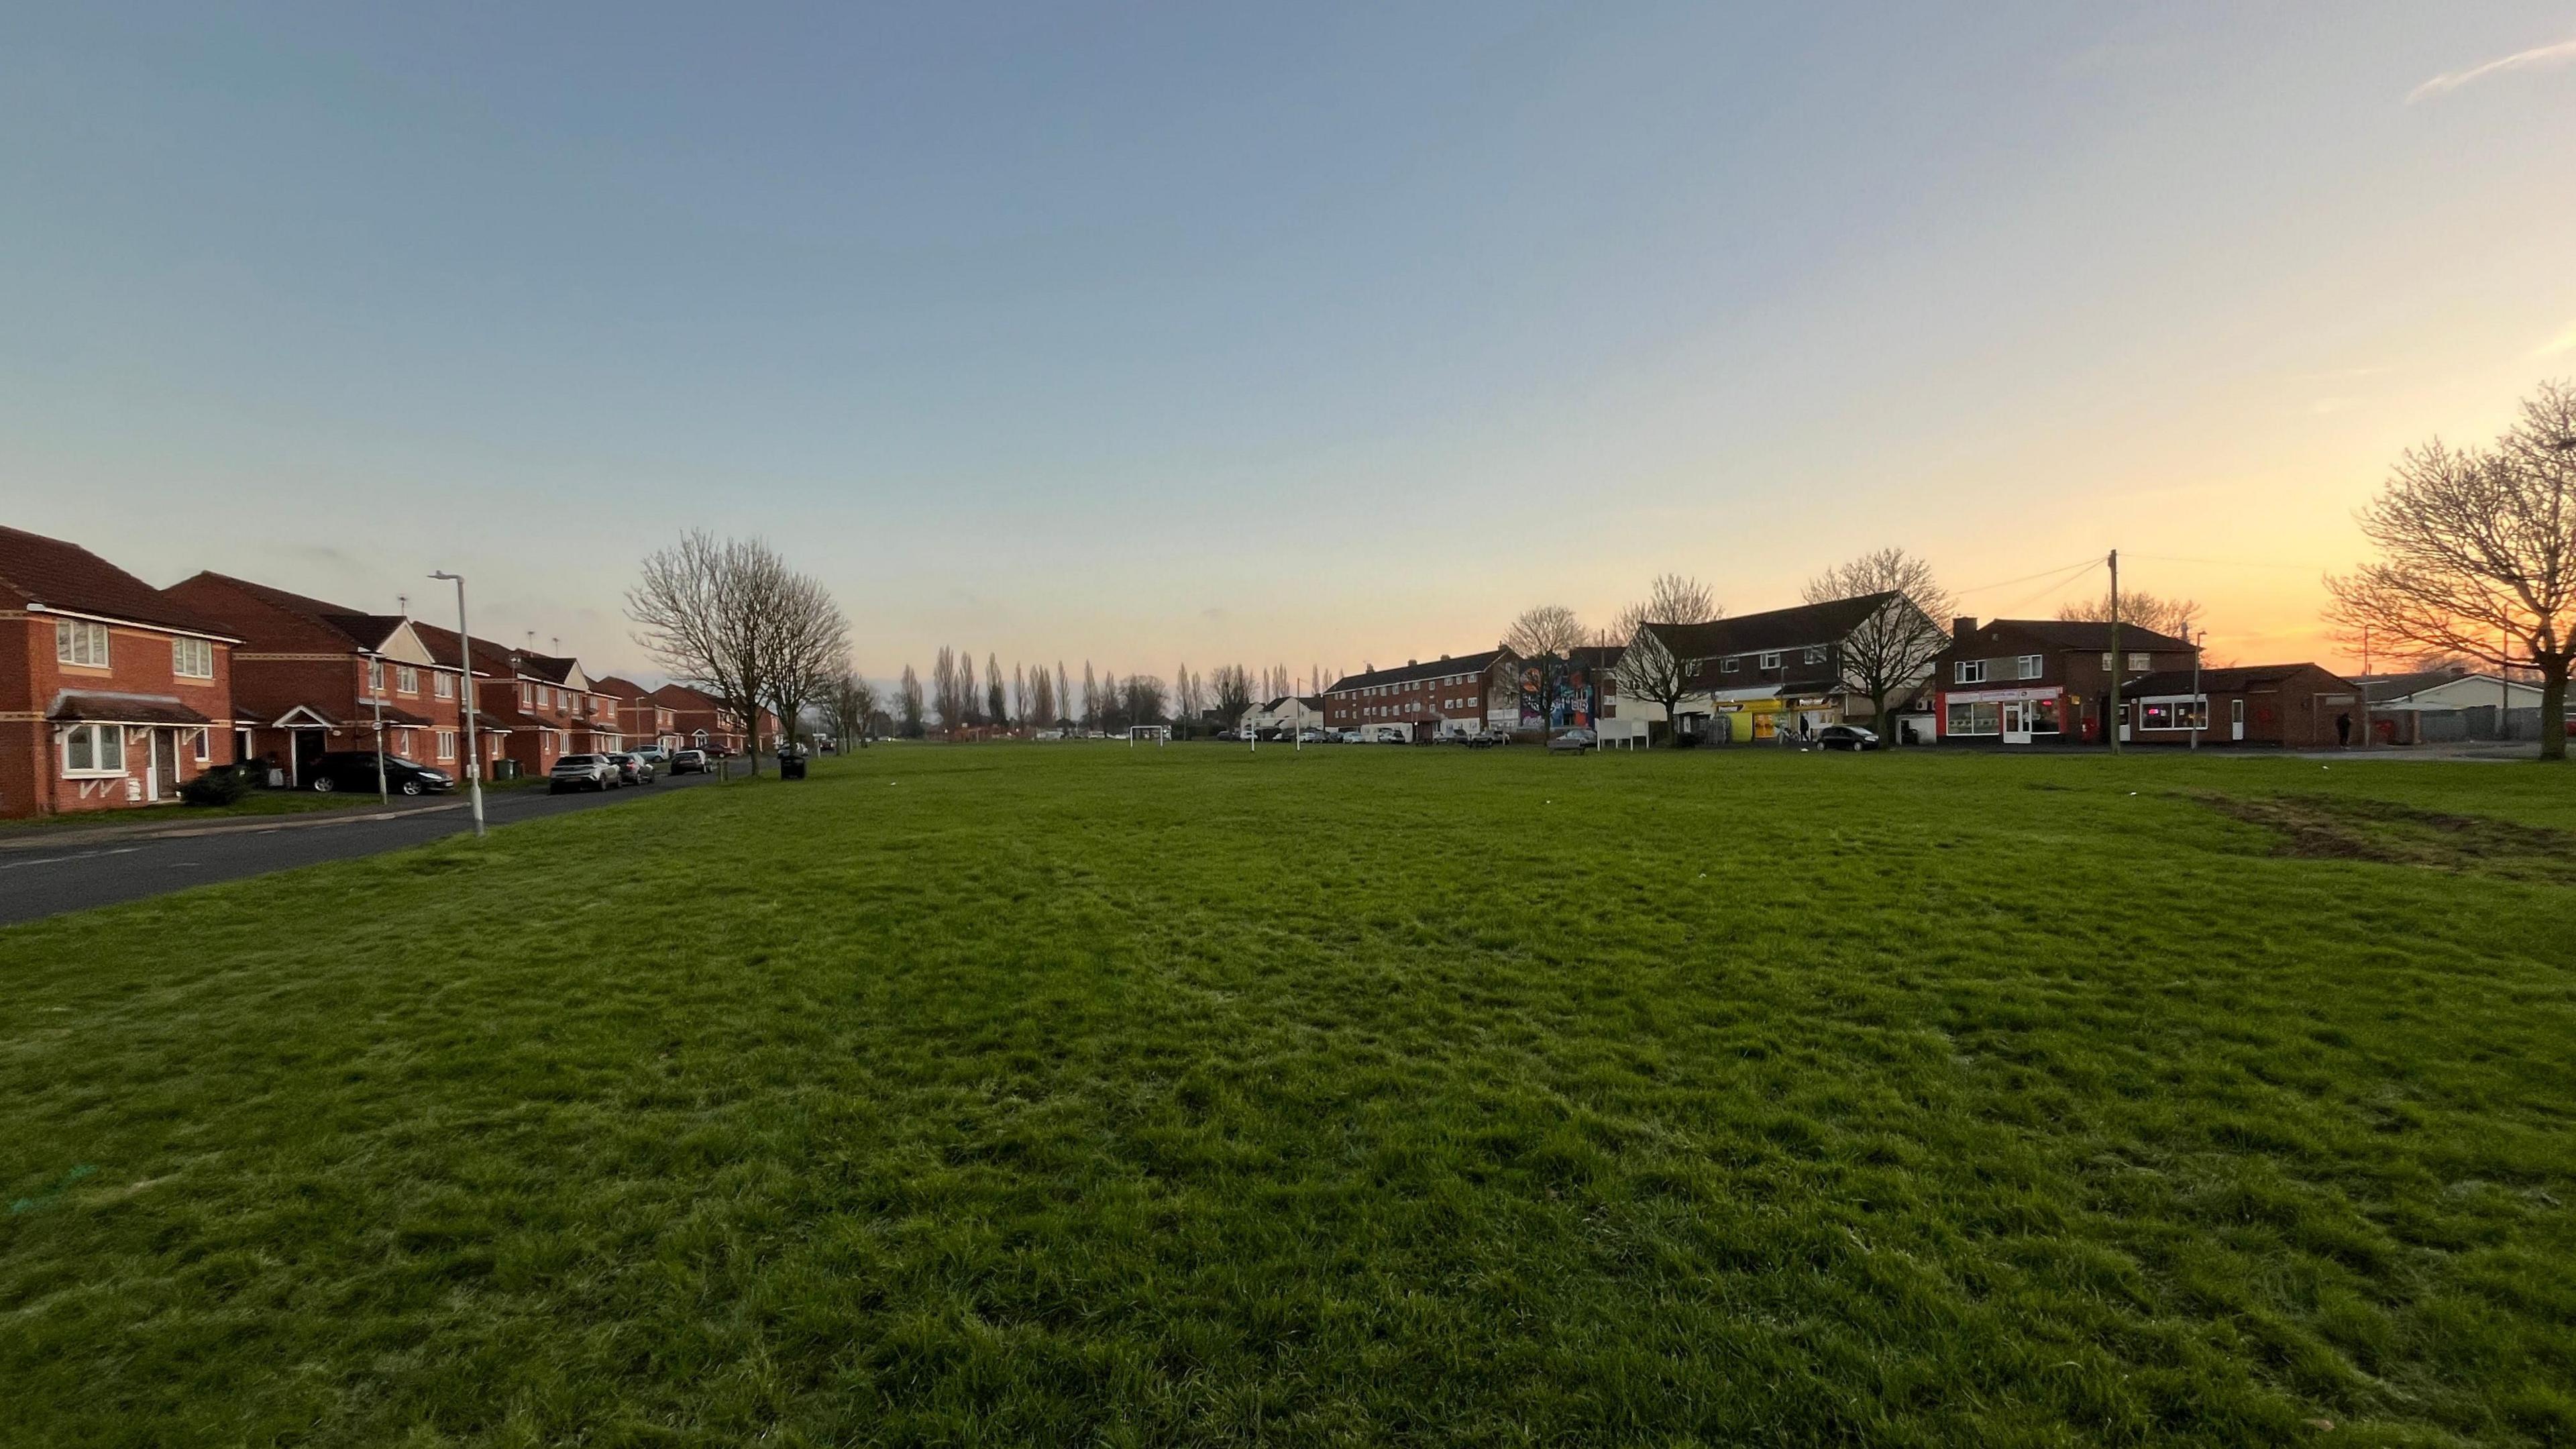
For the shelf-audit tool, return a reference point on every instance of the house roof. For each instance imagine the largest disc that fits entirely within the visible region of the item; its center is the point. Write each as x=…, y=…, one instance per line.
x=2388, y=688
x=37, y=572
x=621, y=687
x=1824, y=623
x=2235, y=679
x=2088, y=635
x=1424, y=669
x=266, y=617
x=552, y=668
x=1310, y=701
x=106, y=707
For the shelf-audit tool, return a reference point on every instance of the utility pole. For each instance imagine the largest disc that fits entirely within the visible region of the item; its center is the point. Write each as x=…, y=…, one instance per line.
x=376, y=702
x=2199, y=706
x=2118, y=712
x=2365, y=686
x=465, y=659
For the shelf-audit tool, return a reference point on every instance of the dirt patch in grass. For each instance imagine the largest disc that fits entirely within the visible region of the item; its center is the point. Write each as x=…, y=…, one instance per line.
x=2324, y=828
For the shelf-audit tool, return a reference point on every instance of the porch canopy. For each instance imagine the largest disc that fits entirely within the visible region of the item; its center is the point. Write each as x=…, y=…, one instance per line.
x=101, y=707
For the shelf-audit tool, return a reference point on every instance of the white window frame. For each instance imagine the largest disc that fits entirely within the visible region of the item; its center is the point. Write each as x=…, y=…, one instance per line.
x=1968, y=671
x=406, y=680
x=447, y=744
x=186, y=652
x=443, y=685
x=1729, y=664
x=2141, y=662
x=2195, y=714
x=375, y=676
x=202, y=747
x=525, y=702
x=97, y=736
x=2033, y=666
x=81, y=643
x=1770, y=659
x=1985, y=718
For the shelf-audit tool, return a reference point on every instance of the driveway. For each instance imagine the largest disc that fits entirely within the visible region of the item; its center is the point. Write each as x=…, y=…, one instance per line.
x=45, y=880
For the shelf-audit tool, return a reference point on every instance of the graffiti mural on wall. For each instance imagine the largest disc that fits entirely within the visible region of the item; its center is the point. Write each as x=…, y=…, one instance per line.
x=1557, y=695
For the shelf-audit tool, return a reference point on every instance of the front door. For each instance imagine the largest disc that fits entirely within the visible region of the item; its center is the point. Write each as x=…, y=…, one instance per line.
x=308, y=748
x=164, y=780
x=2017, y=715
x=2236, y=719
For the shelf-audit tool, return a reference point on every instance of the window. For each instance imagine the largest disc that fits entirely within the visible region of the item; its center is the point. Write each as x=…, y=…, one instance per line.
x=443, y=685
x=94, y=749
x=447, y=744
x=1771, y=659
x=1728, y=665
x=2173, y=714
x=1975, y=719
x=1969, y=671
x=199, y=747
x=78, y=641
x=375, y=676
x=2141, y=661
x=192, y=658
x=407, y=680
x=1815, y=654
x=2033, y=666
x=524, y=700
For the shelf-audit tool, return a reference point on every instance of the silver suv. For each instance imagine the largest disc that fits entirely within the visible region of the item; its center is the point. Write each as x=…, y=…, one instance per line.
x=582, y=772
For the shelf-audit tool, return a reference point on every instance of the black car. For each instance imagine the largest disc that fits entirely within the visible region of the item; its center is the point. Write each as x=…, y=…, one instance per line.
x=356, y=770
x=1845, y=737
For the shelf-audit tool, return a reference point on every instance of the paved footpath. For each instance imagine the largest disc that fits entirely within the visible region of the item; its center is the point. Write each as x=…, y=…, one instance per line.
x=57, y=869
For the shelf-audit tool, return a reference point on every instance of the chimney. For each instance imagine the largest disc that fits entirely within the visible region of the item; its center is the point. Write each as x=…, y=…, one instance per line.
x=1411, y=662
x=1963, y=626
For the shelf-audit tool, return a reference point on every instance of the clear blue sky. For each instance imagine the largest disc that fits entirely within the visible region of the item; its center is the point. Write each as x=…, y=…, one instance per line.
x=1281, y=334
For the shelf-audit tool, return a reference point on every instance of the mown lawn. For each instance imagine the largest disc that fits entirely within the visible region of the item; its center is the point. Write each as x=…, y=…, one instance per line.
x=1081, y=1094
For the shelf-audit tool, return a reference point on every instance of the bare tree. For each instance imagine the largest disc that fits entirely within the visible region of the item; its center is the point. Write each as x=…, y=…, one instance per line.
x=813, y=651
x=1020, y=692
x=1231, y=688
x=733, y=620
x=1549, y=631
x=909, y=701
x=1891, y=651
x=970, y=700
x=1670, y=599
x=1141, y=697
x=1652, y=671
x=996, y=706
x=1090, y=699
x=2478, y=554
x=945, y=700
x=2176, y=616
x=847, y=709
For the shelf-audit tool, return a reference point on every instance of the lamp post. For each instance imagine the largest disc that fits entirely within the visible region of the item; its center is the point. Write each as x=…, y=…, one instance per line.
x=376, y=701
x=473, y=703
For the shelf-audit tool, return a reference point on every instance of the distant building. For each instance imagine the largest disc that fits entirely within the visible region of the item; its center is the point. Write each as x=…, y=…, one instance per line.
x=2442, y=705
x=1450, y=695
x=1293, y=712
x=1754, y=676
x=2298, y=706
x=2040, y=681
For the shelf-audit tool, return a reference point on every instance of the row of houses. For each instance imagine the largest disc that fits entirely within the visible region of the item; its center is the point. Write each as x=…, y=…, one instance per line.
x=2002, y=682
x=114, y=693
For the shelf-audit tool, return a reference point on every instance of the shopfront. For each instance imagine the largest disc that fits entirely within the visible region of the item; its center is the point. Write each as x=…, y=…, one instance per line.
x=2004, y=716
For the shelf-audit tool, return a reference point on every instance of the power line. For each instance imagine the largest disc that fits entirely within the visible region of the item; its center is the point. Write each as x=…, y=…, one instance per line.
x=2227, y=563
x=2047, y=589
x=2026, y=578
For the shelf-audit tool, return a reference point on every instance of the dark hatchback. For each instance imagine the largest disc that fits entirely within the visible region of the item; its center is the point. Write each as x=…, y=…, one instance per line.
x=356, y=770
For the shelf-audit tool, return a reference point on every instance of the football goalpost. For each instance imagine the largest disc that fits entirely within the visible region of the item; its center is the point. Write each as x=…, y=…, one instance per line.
x=1160, y=734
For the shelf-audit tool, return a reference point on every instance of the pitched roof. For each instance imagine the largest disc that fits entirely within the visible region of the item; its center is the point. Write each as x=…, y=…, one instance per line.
x=1824, y=623
x=1310, y=701
x=2089, y=635
x=2386, y=687
x=495, y=661
x=41, y=572
x=266, y=617
x=620, y=687
x=2235, y=679
x=1423, y=669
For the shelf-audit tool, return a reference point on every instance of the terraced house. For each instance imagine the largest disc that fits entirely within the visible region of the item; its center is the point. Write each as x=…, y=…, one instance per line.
x=1444, y=696
x=112, y=694
x=1754, y=677
x=311, y=677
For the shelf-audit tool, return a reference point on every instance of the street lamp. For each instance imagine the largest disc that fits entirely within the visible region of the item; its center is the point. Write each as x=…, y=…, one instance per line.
x=473, y=702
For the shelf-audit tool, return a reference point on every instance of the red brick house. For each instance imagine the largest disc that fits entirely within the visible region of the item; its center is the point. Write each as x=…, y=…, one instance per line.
x=311, y=676
x=544, y=706
x=2040, y=681
x=2296, y=706
x=640, y=716
x=492, y=732
x=703, y=722
x=1447, y=695
x=112, y=694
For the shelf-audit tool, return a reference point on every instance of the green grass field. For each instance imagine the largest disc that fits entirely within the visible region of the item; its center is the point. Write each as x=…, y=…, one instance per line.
x=1081, y=1094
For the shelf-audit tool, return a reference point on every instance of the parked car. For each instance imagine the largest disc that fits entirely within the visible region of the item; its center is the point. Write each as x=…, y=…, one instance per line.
x=654, y=755
x=632, y=768
x=356, y=770
x=582, y=772
x=688, y=762
x=1314, y=737
x=1486, y=739
x=1574, y=742
x=1845, y=737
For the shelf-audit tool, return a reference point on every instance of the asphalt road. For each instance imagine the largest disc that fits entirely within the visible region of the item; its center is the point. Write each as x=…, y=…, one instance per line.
x=37, y=881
